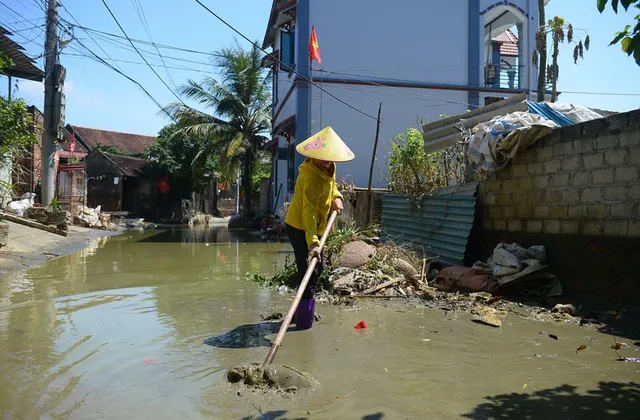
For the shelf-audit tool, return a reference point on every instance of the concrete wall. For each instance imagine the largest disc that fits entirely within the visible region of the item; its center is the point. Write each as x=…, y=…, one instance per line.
x=577, y=191
x=356, y=207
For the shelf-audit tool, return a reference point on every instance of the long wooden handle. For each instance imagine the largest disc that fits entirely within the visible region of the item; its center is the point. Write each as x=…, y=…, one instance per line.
x=303, y=285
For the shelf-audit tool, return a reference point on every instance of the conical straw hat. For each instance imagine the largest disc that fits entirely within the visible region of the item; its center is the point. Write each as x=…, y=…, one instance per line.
x=326, y=145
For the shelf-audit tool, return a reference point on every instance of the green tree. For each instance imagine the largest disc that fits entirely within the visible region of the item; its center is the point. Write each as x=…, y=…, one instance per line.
x=556, y=28
x=238, y=117
x=179, y=154
x=541, y=48
x=629, y=38
x=109, y=149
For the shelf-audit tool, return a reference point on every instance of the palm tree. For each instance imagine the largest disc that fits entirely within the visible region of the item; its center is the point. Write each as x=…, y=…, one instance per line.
x=239, y=114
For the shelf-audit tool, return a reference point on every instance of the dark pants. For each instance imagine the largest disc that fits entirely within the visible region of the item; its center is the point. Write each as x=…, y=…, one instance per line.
x=301, y=253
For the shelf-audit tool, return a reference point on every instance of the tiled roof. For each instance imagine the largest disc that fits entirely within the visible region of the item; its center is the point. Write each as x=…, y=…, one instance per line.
x=128, y=143
x=128, y=165
x=24, y=67
x=508, y=43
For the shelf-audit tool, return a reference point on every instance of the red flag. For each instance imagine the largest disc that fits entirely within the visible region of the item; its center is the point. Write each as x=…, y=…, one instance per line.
x=314, y=48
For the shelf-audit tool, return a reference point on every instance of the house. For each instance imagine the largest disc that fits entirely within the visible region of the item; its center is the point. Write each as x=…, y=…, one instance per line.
x=421, y=60
x=87, y=139
x=118, y=183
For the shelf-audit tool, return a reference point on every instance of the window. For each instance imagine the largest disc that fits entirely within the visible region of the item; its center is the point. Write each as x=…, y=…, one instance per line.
x=287, y=49
x=283, y=153
x=291, y=166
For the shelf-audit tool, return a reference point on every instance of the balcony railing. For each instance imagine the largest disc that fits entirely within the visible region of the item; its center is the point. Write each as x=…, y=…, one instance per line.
x=503, y=76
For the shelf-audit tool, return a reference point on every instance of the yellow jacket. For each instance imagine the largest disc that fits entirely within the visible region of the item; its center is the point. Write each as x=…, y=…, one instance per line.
x=314, y=194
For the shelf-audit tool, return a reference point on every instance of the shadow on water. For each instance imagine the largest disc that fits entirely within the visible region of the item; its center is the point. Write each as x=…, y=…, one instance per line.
x=247, y=336
x=282, y=415
x=612, y=400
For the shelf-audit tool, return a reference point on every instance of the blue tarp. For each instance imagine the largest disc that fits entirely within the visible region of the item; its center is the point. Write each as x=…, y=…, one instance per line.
x=543, y=109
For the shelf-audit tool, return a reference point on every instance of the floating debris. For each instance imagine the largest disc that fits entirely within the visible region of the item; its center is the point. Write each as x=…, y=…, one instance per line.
x=555, y=337
x=582, y=347
x=627, y=359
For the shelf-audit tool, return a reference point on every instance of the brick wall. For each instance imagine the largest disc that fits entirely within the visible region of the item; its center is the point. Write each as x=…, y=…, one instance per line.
x=578, y=192
x=29, y=170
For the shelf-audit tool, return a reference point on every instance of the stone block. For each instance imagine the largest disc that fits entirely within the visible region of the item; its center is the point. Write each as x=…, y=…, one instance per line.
x=633, y=229
x=519, y=197
x=558, y=212
x=514, y=225
x=634, y=192
x=616, y=228
x=552, y=166
x=534, y=197
x=583, y=146
x=495, y=212
x=499, y=225
x=616, y=157
x=509, y=212
x=551, y=226
x=525, y=183
x=503, y=199
x=630, y=138
x=580, y=178
x=593, y=228
x=510, y=185
x=528, y=155
x=607, y=142
x=569, y=227
x=577, y=212
x=622, y=210
x=570, y=163
x=560, y=179
x=541, y=212
x=614, y=193
x=598, y=211
x=592, y=195
x=524, y=212
x=490, y=200
x=534, y=168
x=544, y=153
x=494, y=185
x=519, y=170
x=563, y=149
x=626, y=174
x=617, y=122
x=602, y=176
x=534, y=226
x=552, y=196
x=571, y=196
x=594, y=161
x=541, y=181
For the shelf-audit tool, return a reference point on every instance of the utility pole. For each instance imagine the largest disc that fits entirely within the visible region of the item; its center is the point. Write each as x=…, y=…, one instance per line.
x=50, y=123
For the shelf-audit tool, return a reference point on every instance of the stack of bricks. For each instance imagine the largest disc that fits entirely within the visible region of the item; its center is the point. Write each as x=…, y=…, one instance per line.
x=582, y=179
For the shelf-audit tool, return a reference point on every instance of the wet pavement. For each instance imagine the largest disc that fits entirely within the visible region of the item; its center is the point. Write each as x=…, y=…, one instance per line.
x=145, y=325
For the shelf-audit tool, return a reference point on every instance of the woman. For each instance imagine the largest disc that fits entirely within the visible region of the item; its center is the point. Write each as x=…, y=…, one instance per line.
x=316, y=194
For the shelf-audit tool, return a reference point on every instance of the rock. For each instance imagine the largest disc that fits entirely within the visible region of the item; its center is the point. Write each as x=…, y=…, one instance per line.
x=565, y=309
x=345, y=282
x=4, y=234
x=405, y=268
x=355, y=254
x=487, y=316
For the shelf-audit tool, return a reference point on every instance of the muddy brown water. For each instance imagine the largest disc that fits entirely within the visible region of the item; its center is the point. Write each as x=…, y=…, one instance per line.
x=118, y=330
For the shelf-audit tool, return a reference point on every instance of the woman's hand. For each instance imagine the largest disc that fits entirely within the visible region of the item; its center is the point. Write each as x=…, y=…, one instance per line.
x=337, y=205
x=314, y=252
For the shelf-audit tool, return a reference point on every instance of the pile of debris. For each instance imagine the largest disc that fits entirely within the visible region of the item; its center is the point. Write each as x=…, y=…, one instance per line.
x=26, y=208
x=93, y=218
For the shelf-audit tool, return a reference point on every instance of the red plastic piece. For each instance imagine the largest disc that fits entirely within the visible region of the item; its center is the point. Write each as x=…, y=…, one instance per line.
x=361, y=325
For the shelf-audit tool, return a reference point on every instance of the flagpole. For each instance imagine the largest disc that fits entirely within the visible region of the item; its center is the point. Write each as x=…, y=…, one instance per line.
x=310, y=92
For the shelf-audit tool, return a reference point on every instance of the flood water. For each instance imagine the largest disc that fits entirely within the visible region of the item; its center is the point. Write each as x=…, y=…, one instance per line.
x=118, y=330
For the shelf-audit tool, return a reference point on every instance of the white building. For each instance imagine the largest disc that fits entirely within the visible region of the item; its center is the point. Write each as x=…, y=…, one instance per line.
x=421, y=58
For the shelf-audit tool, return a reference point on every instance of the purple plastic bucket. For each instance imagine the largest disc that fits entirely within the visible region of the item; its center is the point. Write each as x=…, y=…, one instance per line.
x=304, y=314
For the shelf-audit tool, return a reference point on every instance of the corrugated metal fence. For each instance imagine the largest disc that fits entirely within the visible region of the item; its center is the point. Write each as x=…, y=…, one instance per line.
x=441, y=225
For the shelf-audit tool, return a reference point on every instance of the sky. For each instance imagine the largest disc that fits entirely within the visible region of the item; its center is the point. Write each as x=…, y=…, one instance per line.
x=98, y=97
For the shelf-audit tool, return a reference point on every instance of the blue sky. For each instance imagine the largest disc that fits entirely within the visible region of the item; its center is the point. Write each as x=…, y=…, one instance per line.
x=99, y=97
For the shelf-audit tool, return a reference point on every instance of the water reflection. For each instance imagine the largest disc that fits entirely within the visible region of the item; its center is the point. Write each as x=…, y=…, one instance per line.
x=246, y=336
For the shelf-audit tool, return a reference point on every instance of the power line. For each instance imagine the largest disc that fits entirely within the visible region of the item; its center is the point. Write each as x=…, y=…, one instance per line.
x=145, y=60
x=280, y=62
